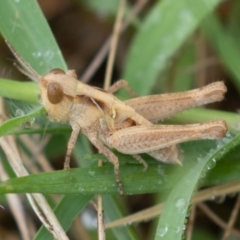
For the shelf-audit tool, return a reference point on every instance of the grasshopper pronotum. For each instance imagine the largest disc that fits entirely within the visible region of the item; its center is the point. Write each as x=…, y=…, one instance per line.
x=126, y=126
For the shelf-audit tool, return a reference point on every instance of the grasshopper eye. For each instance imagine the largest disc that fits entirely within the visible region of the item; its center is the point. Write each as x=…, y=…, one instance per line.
x=54, y=93
x=57, y=71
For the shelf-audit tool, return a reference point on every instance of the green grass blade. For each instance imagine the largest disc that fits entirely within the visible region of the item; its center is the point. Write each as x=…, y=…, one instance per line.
x=22, y=91
x=178, y=201
x=68, y=208
x=88, y=181
x=113, y=212
x=201, y=115
x=22, y=23
x=226, y=170
x=162, y=33
x=158, y=177
x=225, y=45
x=9, y=125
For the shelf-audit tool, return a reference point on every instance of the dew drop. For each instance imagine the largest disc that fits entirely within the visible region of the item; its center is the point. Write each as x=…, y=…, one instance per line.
x=177, y=229
x=160, y=181
x=160, y=170
x=203, y=173
x=200, y=158
x=210, y=165
x=48, y=54
x=91, y=172
x=37, y=54
x=181, y=205
x=19, y=113
x=162, y=231
x=81, y=189
x=183, y=227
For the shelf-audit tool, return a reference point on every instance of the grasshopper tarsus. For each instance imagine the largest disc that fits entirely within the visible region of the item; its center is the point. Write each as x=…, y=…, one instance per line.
x=141, y=161
x=122, y=84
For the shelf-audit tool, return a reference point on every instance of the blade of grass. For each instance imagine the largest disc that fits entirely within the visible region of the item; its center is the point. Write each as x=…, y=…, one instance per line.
x=162, y=33
x=89, y=181
x=7, y=126
x=68, y=208
x=201, y=115
x=158, y=177
x=22, y=91
x=112, y=212
x=178, y=201
x=24, y=26
x=225, y=46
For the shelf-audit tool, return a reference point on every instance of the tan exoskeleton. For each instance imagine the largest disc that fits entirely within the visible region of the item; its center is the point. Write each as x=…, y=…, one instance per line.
x=126, y=126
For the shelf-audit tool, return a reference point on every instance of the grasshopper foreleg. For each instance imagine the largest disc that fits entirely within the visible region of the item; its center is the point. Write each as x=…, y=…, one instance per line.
x=71, y=144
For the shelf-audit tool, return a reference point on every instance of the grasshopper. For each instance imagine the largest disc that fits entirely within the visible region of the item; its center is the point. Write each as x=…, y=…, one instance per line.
x=127, y=126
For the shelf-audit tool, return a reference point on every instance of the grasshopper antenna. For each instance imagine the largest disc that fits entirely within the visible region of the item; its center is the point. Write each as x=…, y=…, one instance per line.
x=23, y=66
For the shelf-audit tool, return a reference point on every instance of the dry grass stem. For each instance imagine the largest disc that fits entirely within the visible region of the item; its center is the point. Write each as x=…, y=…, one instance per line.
x=98, y=59
x=100, y=218
x=232, y=219
x=46, y=214
x=201, y=65
x=201, y=75
x=16, y=207
x=215, y=218
x=190, y=224
x=107, y=82
x=113, y=46
x=36, y=152
x=156, y=210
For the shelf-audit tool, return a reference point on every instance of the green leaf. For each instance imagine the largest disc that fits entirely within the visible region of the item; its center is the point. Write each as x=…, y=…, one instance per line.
x=22, y=91
x=22, y=23
x=225, y=45
x=106, y=7
x=226, y=170
x=178, y=201
x=88, y=181
x=163, y=31
x=157, y=178
x=68, y=208
x=9, y=125
x=113, y=212
x=201, y=115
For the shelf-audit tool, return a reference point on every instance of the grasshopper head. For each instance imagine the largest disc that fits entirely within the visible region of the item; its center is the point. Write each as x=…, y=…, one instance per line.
x=58, y=90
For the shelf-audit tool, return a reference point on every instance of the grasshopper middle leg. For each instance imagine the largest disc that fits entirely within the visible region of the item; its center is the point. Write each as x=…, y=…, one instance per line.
x=111, y=157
